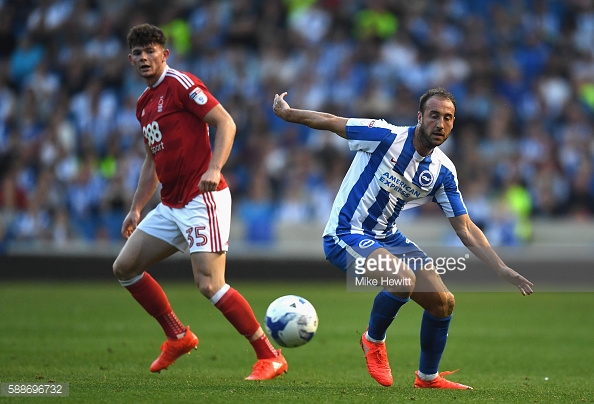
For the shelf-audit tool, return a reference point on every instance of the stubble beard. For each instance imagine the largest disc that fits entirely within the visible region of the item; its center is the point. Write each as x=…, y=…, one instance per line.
x=425, y=138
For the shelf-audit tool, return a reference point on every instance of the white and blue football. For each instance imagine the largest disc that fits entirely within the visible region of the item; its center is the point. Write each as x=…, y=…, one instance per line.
x=291, y=321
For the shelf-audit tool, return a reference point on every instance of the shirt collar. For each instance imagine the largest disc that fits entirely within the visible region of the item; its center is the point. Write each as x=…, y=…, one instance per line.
x=162, y=77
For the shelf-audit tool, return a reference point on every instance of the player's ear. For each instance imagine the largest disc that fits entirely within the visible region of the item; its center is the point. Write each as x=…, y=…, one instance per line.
x=419, y=116
x=130, y=59
x=165, y=54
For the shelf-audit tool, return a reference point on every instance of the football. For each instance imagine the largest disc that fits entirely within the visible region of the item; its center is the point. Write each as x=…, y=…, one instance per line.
x=291, y=321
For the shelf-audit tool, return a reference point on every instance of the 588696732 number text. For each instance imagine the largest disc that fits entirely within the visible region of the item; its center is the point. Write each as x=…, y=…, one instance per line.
x=34, y=389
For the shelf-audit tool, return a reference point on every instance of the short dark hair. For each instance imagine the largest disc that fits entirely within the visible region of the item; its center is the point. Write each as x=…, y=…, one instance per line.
x=436, y=92
x=146, y=34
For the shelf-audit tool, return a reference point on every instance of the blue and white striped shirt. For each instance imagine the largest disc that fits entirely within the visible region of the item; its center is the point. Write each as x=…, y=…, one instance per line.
x=386, y=176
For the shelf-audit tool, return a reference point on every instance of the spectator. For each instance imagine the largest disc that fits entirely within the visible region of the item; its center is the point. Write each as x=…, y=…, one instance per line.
x=24, y=59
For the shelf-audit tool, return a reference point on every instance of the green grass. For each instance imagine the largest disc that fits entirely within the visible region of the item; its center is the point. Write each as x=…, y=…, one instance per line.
x=97, y=339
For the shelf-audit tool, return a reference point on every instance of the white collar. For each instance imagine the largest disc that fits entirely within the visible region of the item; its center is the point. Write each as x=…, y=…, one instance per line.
x=162, y=77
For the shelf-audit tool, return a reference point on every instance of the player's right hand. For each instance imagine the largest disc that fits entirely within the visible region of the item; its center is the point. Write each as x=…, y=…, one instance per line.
x=130, y=223
x=280, y=105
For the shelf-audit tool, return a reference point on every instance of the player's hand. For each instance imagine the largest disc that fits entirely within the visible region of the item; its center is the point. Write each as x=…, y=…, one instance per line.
x=279, y=106
x=130, y=223
x=515, y=278
x=209, y=180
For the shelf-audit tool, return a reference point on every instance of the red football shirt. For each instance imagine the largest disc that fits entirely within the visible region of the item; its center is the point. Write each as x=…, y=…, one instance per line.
x=171, y=114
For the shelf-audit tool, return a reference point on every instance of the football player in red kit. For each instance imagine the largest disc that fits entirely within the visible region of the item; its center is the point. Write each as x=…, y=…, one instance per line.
x=175, y=112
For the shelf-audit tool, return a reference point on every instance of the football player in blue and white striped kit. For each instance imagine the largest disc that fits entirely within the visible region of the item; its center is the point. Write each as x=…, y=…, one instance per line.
x=397, y=167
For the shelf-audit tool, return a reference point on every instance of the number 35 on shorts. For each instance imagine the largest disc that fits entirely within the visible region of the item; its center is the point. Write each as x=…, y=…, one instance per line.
x=196, y=236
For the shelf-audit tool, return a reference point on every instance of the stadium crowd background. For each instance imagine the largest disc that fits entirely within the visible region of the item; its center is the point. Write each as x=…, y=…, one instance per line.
x=522, y=73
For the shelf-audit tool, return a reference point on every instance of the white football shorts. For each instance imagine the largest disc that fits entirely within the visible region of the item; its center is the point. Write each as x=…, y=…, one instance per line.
x=200, y=226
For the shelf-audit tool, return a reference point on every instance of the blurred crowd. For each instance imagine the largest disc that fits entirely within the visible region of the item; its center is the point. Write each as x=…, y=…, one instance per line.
x=522, y=72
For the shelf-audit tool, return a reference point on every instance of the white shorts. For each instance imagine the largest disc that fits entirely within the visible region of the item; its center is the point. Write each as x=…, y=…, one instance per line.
x=202, y=225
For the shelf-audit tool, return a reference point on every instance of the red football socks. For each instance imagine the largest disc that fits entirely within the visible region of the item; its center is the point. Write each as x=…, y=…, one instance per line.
x=149, y=294
x=240, y=314
x=263, y=348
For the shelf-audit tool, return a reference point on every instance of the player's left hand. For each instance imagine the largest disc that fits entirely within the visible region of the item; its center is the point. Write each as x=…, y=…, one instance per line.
x=209, y=181
x=515, y=278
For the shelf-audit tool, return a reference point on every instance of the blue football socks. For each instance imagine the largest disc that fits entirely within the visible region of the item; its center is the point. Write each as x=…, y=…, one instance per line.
x=384, y=310
x=434, y=334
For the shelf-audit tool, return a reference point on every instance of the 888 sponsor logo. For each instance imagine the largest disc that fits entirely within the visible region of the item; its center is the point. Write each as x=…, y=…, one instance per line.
x=153, y=136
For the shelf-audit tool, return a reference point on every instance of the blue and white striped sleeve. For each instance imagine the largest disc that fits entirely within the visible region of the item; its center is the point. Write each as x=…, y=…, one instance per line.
x=366, y=134
x=448, y=195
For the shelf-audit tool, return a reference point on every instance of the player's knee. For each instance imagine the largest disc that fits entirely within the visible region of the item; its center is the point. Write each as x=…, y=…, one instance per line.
x=446, y=306
x=443, y=306
x=206, y=288
x=449, y=304
x=122, y=270
x=118, y=269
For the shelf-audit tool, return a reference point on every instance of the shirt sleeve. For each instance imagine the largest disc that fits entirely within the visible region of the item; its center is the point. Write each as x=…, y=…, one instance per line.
x=366, y=134
x=448, y=196
x=197, y=99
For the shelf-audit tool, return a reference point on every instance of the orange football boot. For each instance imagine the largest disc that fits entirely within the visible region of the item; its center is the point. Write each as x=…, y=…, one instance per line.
x=173, y=349
x=439, y=382
x=376, y=357
x=266, y=369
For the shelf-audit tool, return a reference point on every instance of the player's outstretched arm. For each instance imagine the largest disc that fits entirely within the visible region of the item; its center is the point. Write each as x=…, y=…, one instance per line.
x=313, y=119
x=473, y=238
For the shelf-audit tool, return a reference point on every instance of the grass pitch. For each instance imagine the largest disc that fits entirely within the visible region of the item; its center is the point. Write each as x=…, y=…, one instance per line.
x=96, y=338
